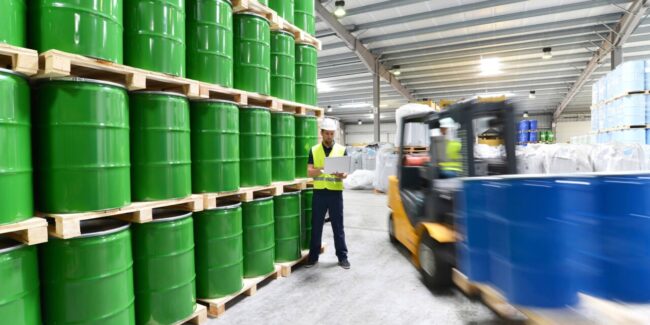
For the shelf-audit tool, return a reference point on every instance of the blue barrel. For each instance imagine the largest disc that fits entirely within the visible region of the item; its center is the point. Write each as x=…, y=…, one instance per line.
x=472, y=226
x=523, y=126
x=532, y=259
x=533, y=136
x=532, y=125
x=524, y=137
x=495, y=211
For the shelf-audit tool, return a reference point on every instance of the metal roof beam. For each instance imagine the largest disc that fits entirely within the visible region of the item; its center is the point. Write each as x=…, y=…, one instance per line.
x=623, y=30
x=369, y=59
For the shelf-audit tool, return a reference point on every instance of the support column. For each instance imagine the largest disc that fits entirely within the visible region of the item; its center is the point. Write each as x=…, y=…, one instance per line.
x=617, y=57
x=376, y=83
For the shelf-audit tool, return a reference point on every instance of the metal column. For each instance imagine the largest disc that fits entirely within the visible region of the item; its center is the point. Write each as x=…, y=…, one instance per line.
x=376, y=83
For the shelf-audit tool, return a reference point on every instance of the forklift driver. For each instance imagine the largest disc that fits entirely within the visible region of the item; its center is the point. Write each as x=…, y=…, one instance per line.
x=453, y=165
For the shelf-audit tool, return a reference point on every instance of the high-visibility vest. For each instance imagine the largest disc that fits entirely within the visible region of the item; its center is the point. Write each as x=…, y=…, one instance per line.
x=453, y=155
x=326, y=181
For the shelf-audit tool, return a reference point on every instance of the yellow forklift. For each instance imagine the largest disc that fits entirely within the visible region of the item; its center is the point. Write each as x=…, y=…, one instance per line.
x=422, y=196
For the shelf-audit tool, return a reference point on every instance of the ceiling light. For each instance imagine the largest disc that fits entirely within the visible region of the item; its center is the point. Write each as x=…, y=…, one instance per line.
x=356, y=105
x=490, y=66
x=340, y=9
x=532, y=95
x=329, y=108
x=359, y=122
x=546, y=53
x=396, y=70
x=383, y=105
x=324, y=87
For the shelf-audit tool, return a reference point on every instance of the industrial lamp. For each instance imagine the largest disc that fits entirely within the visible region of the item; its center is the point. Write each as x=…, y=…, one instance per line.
x=339, y=11
x=396, y=70
x=532, y=95
x=359, y=122
x=546, y=53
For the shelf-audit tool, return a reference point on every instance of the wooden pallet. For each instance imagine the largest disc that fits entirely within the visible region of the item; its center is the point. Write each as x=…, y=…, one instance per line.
x=298, y=108
x=296, y=185
x=216, y=307
x=287, y=267
x=244, y=194
x=55, y=63
x=199, y=317
x=18, y=59
x=31, y=231
x=68, y=225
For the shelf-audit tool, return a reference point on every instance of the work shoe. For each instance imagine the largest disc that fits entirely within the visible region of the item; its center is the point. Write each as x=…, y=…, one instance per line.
x=309, y=264
x=344, y=264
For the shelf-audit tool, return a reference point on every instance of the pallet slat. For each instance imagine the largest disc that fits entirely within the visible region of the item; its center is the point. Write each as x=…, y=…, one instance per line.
x=68, y=225
x=18, y=59
x=199, y=317
x=31, y=231
x=287, y=267
x=247, y=194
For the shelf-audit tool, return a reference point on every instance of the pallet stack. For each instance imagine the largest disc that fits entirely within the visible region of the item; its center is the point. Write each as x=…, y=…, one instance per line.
x=120, y=156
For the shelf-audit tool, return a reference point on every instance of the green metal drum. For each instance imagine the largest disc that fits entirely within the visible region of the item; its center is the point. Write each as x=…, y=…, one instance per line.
x=283, y=146
x=306, y=74
x=89, y=279
x=81, y=145
x=286, y=211
x=215, y=146
x=163, y=268
x=252, y=53
x=306, y=137
x=264, y=2
x=219, y=251
x=305, y=17
x=210, y=41
x=160, y=146
x=12, y=22
x=19, y=288
x=255, y=146
x=283, y=65
x=305, y=217
x=259, y=237
x=15, y=140
x=90, y=28
x=284, y=8
x=154, y=35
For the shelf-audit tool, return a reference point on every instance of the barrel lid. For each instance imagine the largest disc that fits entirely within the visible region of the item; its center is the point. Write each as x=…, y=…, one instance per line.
x=8, y=245
x=101, y=227
x=282, y=31
x=159, y=92
x=265, y=198
x=639, y=173
x=227, y=206
x=165, y=215
x=82, y=80
x=278, y=112
x=213, y=100
x=306, y=44
x=20, y=74
x=250, y=13
x=306, y=116
x=254, y=107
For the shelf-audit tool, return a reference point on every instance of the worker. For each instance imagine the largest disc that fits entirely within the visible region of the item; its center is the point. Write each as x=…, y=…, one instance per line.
x=328, y=196
x=453, y=165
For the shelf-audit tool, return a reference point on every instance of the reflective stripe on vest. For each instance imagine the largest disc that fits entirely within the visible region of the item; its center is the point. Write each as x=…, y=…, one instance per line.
x=326, y=181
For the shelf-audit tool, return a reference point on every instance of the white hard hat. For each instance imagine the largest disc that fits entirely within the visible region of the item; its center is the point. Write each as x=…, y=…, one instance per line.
x=447, y=122
x=328, y=124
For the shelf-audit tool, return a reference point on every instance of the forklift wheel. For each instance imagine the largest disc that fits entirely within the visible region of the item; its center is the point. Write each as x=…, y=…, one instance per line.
x=436, y=271
x=391, y=229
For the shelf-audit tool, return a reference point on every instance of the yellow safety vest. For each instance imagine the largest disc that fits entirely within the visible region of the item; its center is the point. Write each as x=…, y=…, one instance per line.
x=453, y=155
x=326, y=181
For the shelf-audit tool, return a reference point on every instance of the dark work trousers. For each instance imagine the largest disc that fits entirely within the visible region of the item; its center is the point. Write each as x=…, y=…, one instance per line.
x=324, y=201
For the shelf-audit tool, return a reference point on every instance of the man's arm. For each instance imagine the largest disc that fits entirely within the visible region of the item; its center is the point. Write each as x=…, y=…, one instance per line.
x=313, y=172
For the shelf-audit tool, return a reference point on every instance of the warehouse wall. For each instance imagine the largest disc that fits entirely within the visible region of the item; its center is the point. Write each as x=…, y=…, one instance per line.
x=361, y=134
x=565, y=130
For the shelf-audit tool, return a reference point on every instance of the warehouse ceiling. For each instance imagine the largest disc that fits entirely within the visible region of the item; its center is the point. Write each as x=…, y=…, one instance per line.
x=439, y=44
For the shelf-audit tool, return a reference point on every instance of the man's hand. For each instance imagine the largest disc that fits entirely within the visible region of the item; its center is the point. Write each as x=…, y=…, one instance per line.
x=340, y=175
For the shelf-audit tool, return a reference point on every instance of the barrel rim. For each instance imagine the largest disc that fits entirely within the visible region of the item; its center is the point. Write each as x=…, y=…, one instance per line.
x=308, y=44
x=307, y=189
x=282, y=31
x=250, y=13
x=290, y=193
x=307, y=116
x=17, y=73
x=265, y=198
x=214, y=100
x=182, y=215
x=158, y=92
x=254, y=107
x=282, y=112
x=81, y=80
x=12, y=245
x=225, y=207
x=91, y=222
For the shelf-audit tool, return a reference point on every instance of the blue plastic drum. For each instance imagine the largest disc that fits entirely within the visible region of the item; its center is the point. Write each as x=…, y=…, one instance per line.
x=524, y=125
x=524, y=137
x=533, y=136
x=533, y=125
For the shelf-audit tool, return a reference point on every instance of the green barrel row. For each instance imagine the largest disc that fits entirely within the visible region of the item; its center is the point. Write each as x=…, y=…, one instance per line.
x=252, y=52
x=306, y=74
x=283, y=146
x=287, y=215
x=306, y=137
x=255, y=146
x=259, y=237
x=283, y=65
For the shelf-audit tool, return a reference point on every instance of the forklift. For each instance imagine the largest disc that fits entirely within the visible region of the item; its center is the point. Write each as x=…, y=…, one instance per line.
x=422, y=197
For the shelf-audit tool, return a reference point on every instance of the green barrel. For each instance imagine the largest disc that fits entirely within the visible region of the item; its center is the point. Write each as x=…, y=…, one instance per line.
x=306, y=74
x=284, y=8
x=163, y=268
x=306, y=197
x=252, y=53
x=89, y=279
x=259, y=237
x=287, y=214
x=12, y=22
x=15, y=142
x=255, y=146
x=81, y=145
x=154, y=35
x=160, y=146
x=304, y=16
x=215, y=146
x=306, y=137
x=209, y=41
x=219, y=251
x=264, y=2
x=283, y=65
x=283, y=146
x=19, y=287
x=90, y=28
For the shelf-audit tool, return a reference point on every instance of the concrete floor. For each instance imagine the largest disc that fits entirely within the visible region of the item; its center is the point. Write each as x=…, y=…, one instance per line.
x=382, y=287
